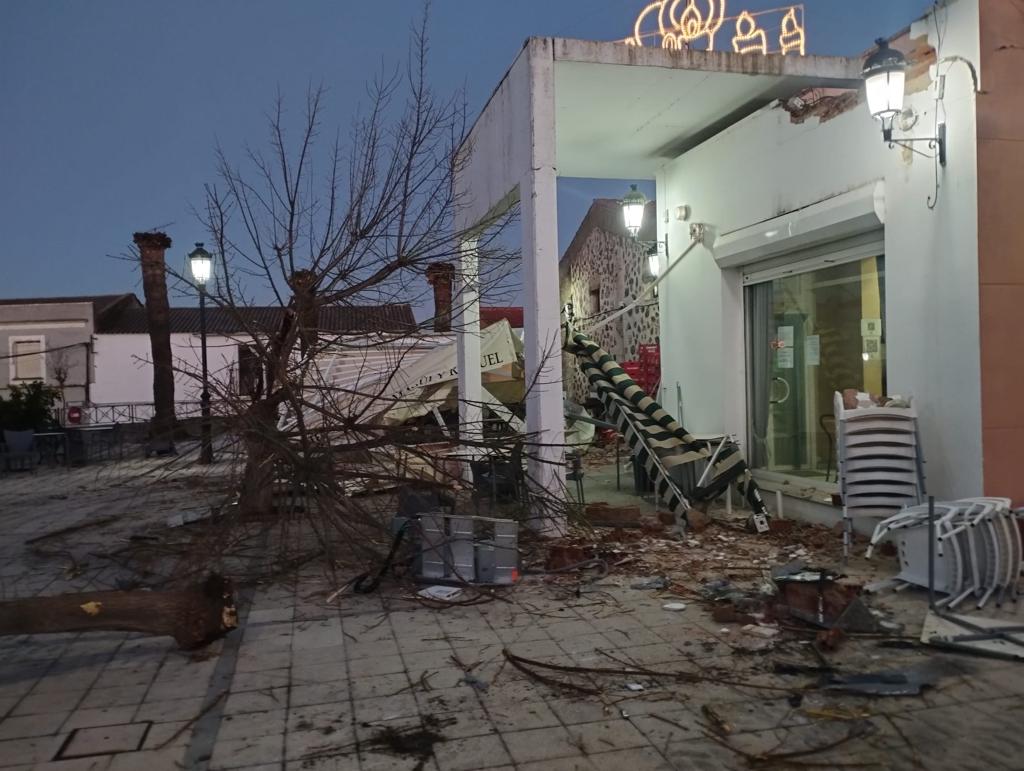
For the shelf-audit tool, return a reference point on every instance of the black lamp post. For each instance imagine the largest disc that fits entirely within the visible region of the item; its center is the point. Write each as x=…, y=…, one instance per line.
x=201, y=264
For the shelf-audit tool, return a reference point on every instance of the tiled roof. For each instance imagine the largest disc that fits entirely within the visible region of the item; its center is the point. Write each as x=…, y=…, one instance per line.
x=100, y=303
x=397, y=317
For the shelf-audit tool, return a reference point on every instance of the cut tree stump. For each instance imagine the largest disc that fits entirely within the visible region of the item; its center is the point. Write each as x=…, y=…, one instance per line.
x=194, y=617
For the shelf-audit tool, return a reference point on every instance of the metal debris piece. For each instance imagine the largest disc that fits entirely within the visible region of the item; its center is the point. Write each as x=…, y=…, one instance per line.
x=674, y=606
x=443, y=593
x=657, y=582
x=886, y=683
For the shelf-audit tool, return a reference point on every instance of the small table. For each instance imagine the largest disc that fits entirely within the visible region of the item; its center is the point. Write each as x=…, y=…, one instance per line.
x=52, y=447
x=86, y=443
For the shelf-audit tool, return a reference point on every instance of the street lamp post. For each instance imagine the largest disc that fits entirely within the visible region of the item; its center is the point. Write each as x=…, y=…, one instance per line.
x=201, y=264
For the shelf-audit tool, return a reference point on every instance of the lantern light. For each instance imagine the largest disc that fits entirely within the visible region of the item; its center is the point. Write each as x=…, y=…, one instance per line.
x=200, y=263
x=633, y=205
x=885, y=77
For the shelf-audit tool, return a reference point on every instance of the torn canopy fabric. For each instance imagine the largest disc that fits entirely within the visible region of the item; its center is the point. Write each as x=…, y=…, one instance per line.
x=673, y=459
x=407, y=383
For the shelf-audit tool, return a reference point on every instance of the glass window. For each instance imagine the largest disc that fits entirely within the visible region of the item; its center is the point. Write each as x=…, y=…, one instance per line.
x=28, y=359
x=808, y=335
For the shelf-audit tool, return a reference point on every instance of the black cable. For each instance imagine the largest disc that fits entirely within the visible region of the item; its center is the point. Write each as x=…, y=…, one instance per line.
x=359, y=584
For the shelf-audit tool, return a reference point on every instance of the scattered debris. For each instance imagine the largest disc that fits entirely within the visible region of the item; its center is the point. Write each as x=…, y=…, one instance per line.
x=760, y=630
x=600, y=514
x=442, y=593
x=718, y=724
x=885, y=683
x=658, y=582
x=635, y=687
x=674, y=606
x=973, y=634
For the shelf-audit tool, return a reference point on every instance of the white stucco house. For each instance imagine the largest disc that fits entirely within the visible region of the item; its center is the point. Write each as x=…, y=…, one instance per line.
x=806, y=254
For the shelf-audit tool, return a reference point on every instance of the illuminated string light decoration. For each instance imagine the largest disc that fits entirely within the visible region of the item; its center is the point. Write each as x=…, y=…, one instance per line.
x=749, y=39
x=792, y=38
x=694, y=24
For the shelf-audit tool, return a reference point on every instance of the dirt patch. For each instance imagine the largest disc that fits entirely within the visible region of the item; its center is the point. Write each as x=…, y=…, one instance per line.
x=416, y=743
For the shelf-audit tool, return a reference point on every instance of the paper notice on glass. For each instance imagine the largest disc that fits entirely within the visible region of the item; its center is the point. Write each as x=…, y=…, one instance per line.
x=812, y=351
x=785, y=337
x=784, y=358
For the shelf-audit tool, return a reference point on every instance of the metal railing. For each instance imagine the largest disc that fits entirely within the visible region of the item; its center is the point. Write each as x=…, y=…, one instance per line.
x=124, y=412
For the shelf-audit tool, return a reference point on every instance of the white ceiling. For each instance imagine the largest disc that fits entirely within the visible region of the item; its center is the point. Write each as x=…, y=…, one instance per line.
x=621, y=112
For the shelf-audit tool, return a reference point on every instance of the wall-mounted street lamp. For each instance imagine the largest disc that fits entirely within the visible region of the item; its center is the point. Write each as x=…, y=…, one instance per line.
x=634, y=204
x=200, y=263
x=885, y=80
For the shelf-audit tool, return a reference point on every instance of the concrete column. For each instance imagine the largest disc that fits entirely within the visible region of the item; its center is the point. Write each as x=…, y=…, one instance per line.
x=543, y=342
x=468, y=340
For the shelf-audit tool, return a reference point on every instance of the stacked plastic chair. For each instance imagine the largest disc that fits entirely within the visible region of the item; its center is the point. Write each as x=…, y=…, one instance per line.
x=977, y=547
x=879, y=462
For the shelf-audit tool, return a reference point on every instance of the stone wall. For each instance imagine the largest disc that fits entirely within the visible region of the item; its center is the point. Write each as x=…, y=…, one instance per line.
x=616, y=266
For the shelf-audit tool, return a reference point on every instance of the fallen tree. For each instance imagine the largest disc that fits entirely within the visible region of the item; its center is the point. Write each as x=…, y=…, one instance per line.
x=194, y=617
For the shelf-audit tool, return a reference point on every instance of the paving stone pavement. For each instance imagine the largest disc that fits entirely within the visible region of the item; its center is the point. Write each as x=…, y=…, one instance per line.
x=380, y=681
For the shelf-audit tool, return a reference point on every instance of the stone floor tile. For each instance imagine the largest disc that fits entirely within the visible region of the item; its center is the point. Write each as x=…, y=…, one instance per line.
x=57, y=701
x=100, y=763
x=382, y=665
x=636, y=759
x=244, y=725
x=27, y=726
x=184, y=688
x=257, y=681
x=165, y=711
x=100, y=740
x=387, y=708
x=177, y=733
x=523, y=716
x=364, y=650
x=256, y=701
x=323, y=693
x=576, y=763
x=66, y=681
x=374, y=761
x=38, y=749
x=427, y=660
x=327, y=741
x=319, y=717
x=574, y=711
x=511, y=635
x=565, y=630
x=461, y=724
x=606, y=736
x=270, y=615
x=86, y=718
x=318, y=656
x=260, y=661
x=312, y=674
x=471, y=753
x=539, y=744
x=120, y=696
x=254, y=750
x=168, y=759
x=375, y=687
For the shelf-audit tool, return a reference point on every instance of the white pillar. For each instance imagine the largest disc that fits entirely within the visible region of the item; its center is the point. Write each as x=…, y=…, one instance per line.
x=467, y=335
x=545, y=420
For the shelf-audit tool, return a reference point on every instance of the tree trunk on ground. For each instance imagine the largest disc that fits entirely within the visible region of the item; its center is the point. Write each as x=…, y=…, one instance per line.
x=154, y=285
x=194, y=617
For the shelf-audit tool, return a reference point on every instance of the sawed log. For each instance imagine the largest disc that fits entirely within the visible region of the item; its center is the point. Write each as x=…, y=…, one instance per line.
x=194, y=617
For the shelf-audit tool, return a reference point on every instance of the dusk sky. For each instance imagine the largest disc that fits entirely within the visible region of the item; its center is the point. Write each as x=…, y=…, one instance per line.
x=111, y=109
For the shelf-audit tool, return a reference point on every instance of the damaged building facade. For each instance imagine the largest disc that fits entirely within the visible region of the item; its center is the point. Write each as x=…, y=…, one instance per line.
x=806, y=255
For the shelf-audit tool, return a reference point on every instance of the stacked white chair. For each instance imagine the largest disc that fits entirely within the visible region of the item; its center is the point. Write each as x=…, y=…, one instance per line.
x=879, y=462
x=977, y=548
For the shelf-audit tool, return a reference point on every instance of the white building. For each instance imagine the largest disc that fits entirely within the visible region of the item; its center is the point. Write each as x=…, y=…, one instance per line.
x=825, y=259
x=123, y=363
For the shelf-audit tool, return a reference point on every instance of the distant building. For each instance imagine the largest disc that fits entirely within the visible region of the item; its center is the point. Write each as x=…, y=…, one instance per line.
x=124, y=368
x=602, y=271
x=50, y=339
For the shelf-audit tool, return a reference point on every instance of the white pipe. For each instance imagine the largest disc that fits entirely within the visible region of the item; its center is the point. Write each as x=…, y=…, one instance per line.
x=649, y=288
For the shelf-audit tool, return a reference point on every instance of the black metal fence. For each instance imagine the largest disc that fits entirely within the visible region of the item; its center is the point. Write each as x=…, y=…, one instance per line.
x=125, y=412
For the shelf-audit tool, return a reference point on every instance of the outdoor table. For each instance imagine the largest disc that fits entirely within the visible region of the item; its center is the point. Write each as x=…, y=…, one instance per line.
x=52, y=446
x=89, y=443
